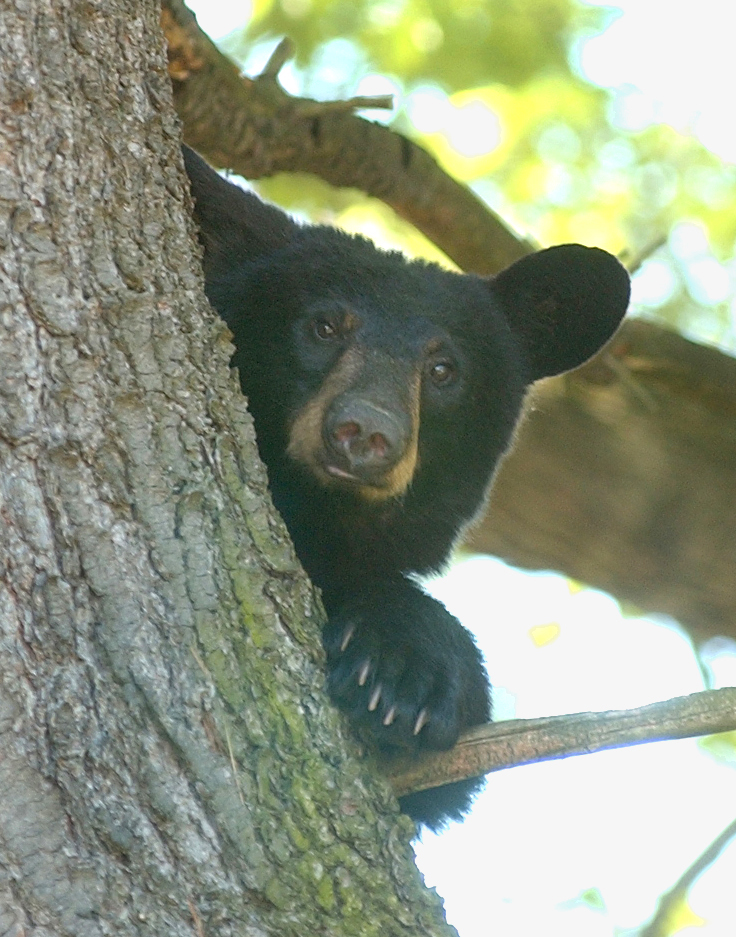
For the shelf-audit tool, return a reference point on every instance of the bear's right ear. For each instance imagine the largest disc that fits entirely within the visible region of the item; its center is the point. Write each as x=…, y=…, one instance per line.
x=234, y=225
x=563, y=303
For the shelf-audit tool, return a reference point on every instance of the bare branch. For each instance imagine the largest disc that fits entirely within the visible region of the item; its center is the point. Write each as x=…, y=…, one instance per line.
x=283, y=52
x=358, y=103
x=657, y=927
x=635, y=263
x=623, y=475
x=252, y=126
x=521, y=741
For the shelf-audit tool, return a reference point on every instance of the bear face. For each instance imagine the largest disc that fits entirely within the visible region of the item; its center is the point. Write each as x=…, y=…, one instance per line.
x=384, y=394
x=381, y=392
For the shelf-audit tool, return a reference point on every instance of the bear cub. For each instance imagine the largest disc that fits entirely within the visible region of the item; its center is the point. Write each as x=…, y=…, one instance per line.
x=384, y=393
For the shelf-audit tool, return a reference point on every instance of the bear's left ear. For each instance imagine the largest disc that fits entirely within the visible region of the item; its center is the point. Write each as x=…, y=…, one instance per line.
x=234, y=226
x=564, y=303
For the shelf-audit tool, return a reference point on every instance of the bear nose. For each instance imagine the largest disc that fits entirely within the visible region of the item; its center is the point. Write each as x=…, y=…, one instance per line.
x=367, y=439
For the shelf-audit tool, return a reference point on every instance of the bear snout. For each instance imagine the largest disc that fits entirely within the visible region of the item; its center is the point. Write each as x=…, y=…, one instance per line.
x=364, y=440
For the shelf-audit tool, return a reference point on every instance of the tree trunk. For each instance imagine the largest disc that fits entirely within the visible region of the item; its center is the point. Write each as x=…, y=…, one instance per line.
x=168, y=763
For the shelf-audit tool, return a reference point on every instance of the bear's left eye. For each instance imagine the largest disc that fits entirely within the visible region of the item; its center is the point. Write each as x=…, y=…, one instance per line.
x=324, y=330
x=442, y=372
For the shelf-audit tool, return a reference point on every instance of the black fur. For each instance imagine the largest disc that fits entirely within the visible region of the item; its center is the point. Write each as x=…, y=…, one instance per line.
x=384, y=394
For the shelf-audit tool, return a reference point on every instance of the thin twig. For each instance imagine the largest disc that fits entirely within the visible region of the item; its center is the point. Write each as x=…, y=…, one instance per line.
x=320, y=108
x=196, y=918
x=283, y=52
x=630, y=382
x=636, y=262
x=657, y=927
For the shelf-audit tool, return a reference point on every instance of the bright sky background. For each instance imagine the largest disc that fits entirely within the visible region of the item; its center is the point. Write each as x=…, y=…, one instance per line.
x=619, y=826
x=673, y=62
x=625, y=822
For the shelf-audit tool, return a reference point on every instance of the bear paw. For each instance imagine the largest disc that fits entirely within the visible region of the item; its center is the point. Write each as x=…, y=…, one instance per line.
x=403, y=669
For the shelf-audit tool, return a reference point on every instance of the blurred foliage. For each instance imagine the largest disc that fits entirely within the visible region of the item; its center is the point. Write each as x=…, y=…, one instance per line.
x=459, y=45
x=721, y=747
x=681, y=917
x=490, y=87
x=590, y=898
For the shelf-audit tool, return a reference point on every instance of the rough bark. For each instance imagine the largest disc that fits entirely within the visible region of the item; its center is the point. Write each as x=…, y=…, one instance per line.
x=168, y=763
x=624, y=475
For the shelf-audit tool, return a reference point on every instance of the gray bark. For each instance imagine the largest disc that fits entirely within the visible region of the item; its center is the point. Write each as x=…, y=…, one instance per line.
x=168, y=763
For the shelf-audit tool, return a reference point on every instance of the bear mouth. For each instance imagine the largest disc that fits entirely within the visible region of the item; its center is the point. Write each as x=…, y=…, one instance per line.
x=337, y=475
x=342, y=474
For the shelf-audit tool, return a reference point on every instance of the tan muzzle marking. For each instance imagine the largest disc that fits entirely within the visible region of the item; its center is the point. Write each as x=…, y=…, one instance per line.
x=305, y=438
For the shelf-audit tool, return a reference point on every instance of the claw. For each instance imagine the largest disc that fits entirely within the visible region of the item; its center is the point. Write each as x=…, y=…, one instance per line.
x=390, y=716
x=422, y=720
x=363, y=673
x=375, y=697
x=346, y=638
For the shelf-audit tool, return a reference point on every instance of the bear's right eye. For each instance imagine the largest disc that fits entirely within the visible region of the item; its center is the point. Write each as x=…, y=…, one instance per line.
x=324, y=330
x=442, y=372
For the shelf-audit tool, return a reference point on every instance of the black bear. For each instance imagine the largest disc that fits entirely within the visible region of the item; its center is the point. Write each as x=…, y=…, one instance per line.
x=384, y=393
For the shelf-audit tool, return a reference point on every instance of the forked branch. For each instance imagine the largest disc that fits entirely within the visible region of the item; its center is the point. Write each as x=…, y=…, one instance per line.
x=252, y=126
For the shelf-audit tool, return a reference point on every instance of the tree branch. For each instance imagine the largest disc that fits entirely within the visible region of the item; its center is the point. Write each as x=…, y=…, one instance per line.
x=284, y=51
x=522, y=741
x=623, y=474
x=251, y=125
x=658, y=926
